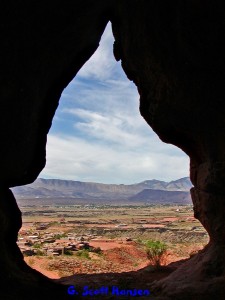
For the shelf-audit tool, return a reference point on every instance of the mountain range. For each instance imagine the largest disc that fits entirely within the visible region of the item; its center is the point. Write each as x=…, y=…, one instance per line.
x=72, y=192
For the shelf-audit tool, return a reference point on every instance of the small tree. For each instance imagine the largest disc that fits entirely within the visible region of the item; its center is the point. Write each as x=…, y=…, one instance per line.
x=156, y=252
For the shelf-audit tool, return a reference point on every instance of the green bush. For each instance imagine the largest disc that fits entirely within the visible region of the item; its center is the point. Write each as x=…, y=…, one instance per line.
x=139, y=241
x=156, y=252
x=59, y=236
x=83, y=254
x=37, y=246
x=68, y=252
x=40, y=253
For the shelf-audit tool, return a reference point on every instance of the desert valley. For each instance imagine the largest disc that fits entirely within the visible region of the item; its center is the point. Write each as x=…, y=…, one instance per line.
x=72, y=228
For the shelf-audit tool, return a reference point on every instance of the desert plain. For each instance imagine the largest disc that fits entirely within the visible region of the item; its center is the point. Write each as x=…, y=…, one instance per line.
x=104, y=244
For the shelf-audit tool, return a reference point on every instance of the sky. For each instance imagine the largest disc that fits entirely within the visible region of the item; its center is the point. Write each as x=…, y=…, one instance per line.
x=98, y=134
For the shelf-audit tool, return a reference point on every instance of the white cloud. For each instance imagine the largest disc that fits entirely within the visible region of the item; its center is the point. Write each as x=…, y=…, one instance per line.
x=114, y=129
x=77, y=159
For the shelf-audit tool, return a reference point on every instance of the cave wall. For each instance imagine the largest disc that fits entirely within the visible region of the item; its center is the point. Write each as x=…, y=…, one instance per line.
x=174, y=51
x=44, y=44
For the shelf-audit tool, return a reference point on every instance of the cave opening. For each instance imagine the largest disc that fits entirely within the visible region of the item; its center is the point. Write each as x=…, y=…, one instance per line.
x=98, y=136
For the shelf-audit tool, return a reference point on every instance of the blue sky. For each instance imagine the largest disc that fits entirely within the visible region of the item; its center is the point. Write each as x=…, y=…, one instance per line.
x=98, y=133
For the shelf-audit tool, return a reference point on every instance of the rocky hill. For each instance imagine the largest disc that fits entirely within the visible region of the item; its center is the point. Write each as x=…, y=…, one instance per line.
x=162, y=197
x=153, y=191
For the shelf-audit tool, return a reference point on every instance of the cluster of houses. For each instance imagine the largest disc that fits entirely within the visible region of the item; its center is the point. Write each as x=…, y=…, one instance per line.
x=48, y=243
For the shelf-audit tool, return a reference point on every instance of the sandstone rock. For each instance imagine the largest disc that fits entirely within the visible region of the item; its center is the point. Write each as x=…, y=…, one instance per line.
x=170, y=55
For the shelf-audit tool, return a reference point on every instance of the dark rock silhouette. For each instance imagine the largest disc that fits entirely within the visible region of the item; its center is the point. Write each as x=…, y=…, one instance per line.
x=174, y=51
x=175, y=55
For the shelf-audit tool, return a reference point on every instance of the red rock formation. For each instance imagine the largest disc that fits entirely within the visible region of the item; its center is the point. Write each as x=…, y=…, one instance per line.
x=43, y=45
x=175, y=55
x=174, y=51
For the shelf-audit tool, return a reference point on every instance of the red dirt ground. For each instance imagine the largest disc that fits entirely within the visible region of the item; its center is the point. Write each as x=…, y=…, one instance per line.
x=119, y=256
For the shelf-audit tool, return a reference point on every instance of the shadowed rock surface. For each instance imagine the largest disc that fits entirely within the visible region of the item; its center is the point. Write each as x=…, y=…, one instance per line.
x=174, y=51
x=175, y=56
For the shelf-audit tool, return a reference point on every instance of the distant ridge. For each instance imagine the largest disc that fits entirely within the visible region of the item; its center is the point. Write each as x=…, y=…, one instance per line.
x=163, y=197
x=153, y=191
